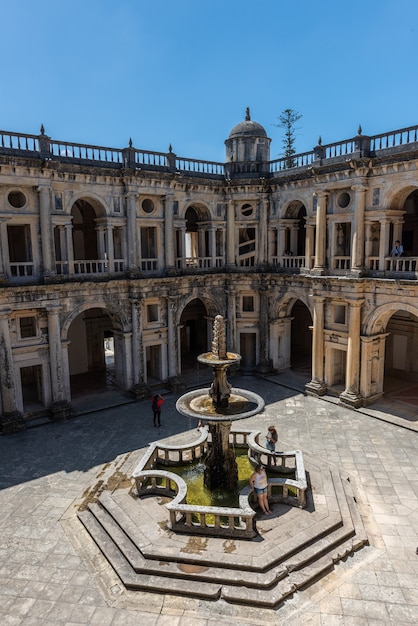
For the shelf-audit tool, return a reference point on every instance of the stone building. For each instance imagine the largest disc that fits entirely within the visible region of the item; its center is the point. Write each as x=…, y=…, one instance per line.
x=131, y=253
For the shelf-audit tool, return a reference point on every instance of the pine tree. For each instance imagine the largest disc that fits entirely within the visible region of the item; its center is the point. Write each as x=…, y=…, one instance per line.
x=288, y=119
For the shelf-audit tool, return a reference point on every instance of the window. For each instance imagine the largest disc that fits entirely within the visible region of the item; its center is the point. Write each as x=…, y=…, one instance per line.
x=17, y=199
x=246, y=210
x=152, y=313
x=339, y=313
x=27, y=327
x=58, y=202
x=344, y=200
x=147, y=205
x=116, y=205
x=247, y=304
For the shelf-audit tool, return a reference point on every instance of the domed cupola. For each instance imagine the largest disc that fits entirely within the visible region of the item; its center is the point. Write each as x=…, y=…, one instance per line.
x=247, y=148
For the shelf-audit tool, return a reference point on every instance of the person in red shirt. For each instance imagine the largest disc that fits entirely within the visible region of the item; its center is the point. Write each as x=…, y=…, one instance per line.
x=157, y=403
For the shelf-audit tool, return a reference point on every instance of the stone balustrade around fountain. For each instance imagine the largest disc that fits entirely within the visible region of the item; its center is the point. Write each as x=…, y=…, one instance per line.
x=212, y=520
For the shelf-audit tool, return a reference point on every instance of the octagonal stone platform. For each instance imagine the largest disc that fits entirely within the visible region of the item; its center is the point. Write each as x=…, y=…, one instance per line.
x=293, y=547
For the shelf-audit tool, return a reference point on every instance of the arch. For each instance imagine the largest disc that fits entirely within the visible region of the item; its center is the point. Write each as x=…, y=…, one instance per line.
x=284, y=303
x=378, y=319
x=194, y=329
x=115, y=316
x=396, y=195
x=202, y=211
x=98, y=203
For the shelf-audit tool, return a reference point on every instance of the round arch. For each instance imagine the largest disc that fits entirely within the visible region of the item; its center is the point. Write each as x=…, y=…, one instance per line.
x=378, y=320
x=98, y=203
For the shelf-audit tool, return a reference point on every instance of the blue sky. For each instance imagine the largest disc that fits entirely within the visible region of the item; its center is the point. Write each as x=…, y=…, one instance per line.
x=183, y=72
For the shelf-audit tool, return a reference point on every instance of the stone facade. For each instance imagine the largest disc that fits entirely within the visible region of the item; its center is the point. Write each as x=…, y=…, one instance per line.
x=143, y=249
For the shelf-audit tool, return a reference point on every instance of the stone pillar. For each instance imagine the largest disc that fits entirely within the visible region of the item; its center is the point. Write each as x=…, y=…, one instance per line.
x=397, y=232
x=357, y=236
x=4, y=249
x=169, y=232
x=61, y=406
x=351, y=394
x=212, y=240
x=262, y=242
x=384, y=245
x=309, y=247
x=280, y=336
x=231, y=319
x=132, y=238
x=140, y=388
x=110, y=249
x=317, y=385
x=46, y=229
x=264, y=365
x=123, y=359
x=70, y=247
x=173, y=344
x=321, y=233
x=281, y=242
x=11, y=419
x=230, y=235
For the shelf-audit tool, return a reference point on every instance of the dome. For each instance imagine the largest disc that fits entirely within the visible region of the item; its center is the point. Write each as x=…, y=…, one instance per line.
x=248, y=128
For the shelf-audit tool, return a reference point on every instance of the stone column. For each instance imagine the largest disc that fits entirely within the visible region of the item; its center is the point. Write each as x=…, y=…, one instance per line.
x=140, y=387
x=264, y=365
x=357, y=236
x=169, y=232
x=397, y=232
x=317, y=385
x=212, y=240
x=230, y=235
x=132, y=238
x=110, y=249
x=281, y=242
x=46, y=229
x=61, y=406
x=309, y=248
x=262, y=241
x=321, y=233
x=70, y=247
x=231, y=296
x=351, y=394
x=384, y=245
x=173, y=343
x=11, y=419
x=4, y=249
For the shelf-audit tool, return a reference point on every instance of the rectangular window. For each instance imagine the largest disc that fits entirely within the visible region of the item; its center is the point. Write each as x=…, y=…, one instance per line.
x=116, y=205
x=27, y=327
x=247, y=304
x=58, y=202
x=152, y=313
x=339, y=313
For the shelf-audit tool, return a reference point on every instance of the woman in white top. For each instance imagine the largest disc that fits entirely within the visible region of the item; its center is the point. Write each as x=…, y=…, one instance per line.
x=258, y=482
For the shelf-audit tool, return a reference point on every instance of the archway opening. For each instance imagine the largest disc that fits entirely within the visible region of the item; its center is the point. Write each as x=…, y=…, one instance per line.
x=401, y=360
x=410, y=226
x=92, y=353
x=301, y=339
x=193, y=334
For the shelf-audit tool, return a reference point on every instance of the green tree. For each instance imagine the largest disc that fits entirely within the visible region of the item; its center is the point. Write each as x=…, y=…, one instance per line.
x=287, y=120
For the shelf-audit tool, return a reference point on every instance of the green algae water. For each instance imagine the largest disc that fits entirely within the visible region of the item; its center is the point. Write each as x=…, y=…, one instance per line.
x=197, y=494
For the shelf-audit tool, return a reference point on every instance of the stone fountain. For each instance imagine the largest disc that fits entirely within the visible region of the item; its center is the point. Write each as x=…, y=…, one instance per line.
x=218, y=407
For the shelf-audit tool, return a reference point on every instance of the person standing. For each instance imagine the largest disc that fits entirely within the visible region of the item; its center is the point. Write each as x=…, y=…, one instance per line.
x=258, y=483
x=271, y=440
x=157, y=403
x=397, y=249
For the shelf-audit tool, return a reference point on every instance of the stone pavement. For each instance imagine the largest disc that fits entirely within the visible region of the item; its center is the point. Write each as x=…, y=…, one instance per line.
x=50, y=573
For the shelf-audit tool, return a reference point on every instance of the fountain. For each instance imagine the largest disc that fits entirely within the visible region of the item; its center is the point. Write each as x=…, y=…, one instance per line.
x=219, y=406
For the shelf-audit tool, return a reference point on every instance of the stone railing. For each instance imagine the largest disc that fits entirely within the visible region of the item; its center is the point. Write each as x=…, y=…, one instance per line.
x=212, y=520
x=44, y=147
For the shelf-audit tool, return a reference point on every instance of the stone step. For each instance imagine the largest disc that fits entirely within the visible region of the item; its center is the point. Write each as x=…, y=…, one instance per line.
x=179, y=567
x=132, y=580
x=163, y=549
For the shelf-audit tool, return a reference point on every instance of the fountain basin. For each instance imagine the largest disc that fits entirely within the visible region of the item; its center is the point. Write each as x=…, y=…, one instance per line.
x=241, y=404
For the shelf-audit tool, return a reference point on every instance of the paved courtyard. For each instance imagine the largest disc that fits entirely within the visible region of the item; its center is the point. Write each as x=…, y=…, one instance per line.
x=50, y=573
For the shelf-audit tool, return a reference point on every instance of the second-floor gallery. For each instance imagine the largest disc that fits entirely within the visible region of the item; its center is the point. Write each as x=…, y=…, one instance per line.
x=113, y=263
